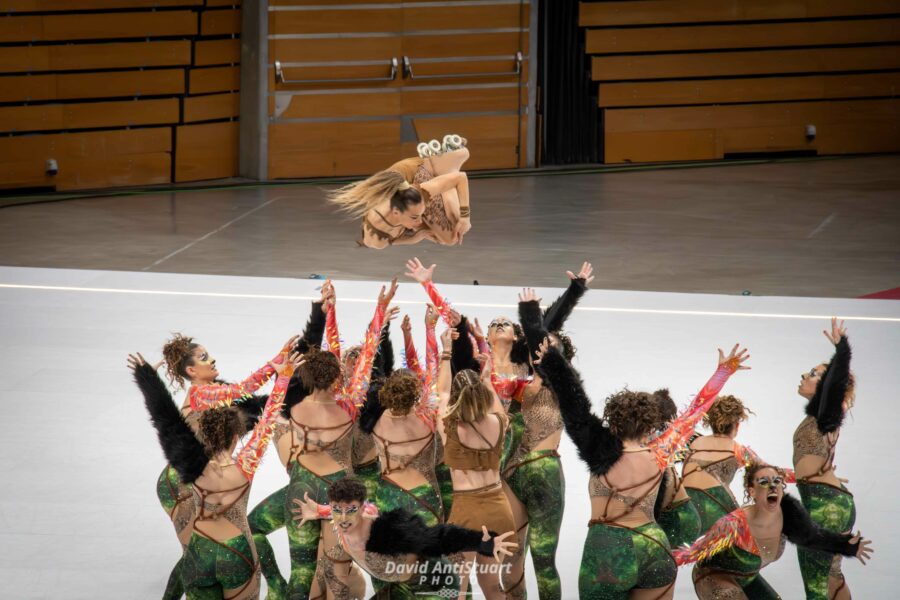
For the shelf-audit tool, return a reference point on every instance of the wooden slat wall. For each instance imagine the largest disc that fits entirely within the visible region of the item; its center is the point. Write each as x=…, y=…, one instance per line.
x=699, y=79
x=118, y=92
x=357, y=128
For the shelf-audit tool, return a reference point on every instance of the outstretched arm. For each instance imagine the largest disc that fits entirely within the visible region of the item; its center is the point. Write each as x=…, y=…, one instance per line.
x=827, y=403
x=179, y=444
x=402, y=532
x=383, y=364
x=332, y=335
x=802, y=531
x=597, y=447
x=371, y=410
x=554, y=318
x=354, y=394
x=673, y=440
x=531, y=321
x=250, y=455
x=315, y=326
x=409, y=349
x=730, y=530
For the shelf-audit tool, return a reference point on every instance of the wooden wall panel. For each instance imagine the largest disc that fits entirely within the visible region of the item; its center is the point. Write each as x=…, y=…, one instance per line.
x=208, y=151
x=211, y=107
x=767, y=35
x=130, y=157
x=755, y=62
x=399, y=21
x=217, y=52
x=97, y=26
x=19, y=59
x=763, y=89
x=30, y=88
x=220, y=22
x=649, y=12
x=223, y=2
x=336, y=148
x=653, y=134
x=335, y=49
x=214, y=79
x=54, y=117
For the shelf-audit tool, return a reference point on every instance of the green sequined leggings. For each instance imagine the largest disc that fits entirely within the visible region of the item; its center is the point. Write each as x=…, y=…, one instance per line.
x=712, y=504
x=442, y=472
x=618, y=559
x=370, y=475
x=681, y=522
x=835, y=510
x=210, y=568
x=422, y=500
x=268, y=516
x=172, y=495
x=538, y=482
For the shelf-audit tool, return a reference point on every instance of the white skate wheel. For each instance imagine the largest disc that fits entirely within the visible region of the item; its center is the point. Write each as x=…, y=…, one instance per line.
x=423, y=150
x=434, y=146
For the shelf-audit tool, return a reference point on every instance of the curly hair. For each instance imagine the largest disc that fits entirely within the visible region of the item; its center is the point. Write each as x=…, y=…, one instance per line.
x=566, y=347
x=400, y=392
x=724, y=415
x=320, y=369
x=347, y=489
x=178, y=353
x=632, y=415
x=470, y=398
x=666, y=408
x=218, y=429
x=750, y=475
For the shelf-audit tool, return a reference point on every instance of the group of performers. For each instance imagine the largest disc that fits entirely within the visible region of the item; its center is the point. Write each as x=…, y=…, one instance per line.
x=447, y=470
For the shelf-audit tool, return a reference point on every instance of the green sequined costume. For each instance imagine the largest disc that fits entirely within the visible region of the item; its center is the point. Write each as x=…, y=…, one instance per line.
x=737, y=565
x=513, y=434
x=268, y=516
x=835, y=510
x=538, y=482
x=370, y=474
x=712, y=504
x=173, y=496
x=422, y=500
x=681, y=522
x=209, y=567
x=617, y=559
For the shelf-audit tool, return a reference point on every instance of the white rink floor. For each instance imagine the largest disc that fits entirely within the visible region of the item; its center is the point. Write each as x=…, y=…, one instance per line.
x=78, y=511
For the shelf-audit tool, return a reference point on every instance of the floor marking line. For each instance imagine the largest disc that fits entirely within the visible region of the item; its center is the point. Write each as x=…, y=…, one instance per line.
x=822, y=225
x=212, y=233
x=654, y=311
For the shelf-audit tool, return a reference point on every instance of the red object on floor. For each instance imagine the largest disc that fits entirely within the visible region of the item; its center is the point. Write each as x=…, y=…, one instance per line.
x=893, y=294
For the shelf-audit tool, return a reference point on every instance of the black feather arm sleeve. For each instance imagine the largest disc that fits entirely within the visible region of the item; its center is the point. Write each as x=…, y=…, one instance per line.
x=314, y=330
x=402, y=532
x=555, y=316
x=179, y=444
x=665, y=483
x=596, y=446
x=372, y=409
x=532, y=325
x=252, y=408
x=802, y=531
x=296, y=392
x=463, y=352
x=827, y=403
x=383, y=364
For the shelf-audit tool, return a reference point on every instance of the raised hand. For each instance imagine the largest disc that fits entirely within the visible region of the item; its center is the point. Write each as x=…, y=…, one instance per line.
x=837, y=331
x=306, y=510
x=384, y=298
x=477, y=331
x=406, y=325
x=391, y=313
x=528, y=295
x=864, y=551
x=455, y=317
x=287, y=367
x=462, y=228
x=586, y=273
x=328, y=296
x=735, y=359
x=431, y=316
x=416, y=270
x=542, y=349
x=501, y=546
x=290, y=344
x=135, y=361
x=447, y=338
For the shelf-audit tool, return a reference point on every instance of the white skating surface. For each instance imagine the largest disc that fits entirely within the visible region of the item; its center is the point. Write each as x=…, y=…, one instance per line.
x=78, y=512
